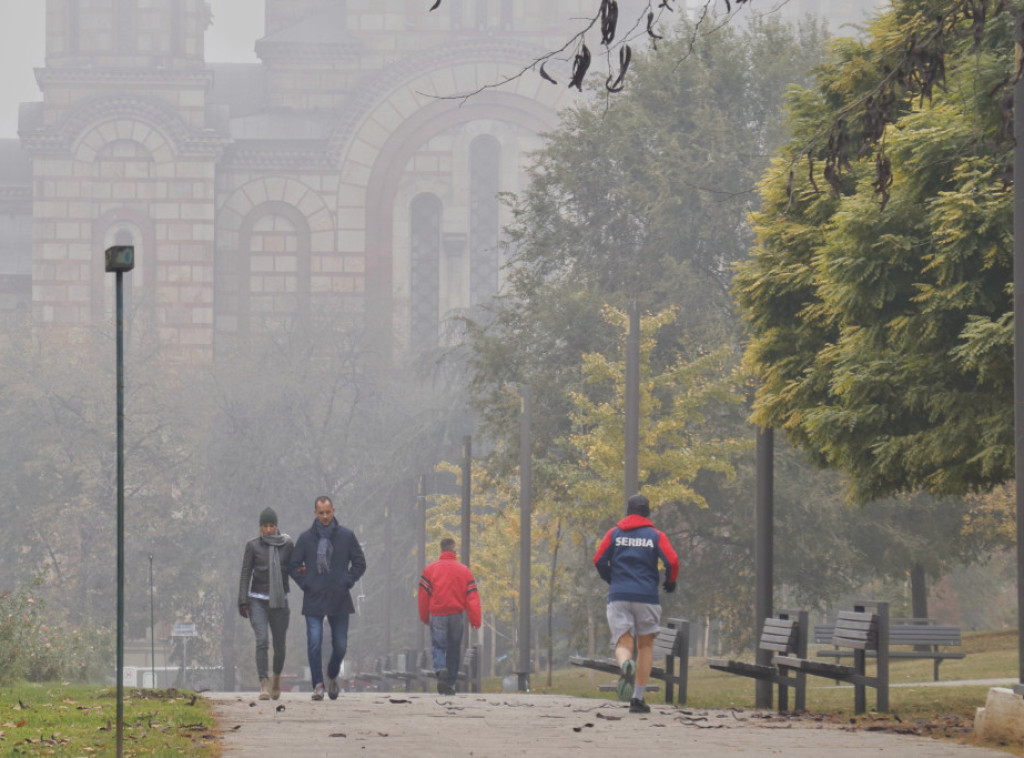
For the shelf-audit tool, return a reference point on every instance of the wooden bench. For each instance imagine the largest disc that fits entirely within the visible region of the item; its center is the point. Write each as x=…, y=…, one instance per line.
x=372, y=680
x=671, y=660
x=470, y=670
x=408, y=669
x=784, y=634
x=859, y=631
x=923, y=635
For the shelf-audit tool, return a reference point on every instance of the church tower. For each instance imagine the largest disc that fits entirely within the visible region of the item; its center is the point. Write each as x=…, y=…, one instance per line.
x=124, y=148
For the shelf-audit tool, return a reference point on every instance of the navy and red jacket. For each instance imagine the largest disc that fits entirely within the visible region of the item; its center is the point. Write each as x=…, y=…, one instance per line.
x=628, y=557
x=448, y=587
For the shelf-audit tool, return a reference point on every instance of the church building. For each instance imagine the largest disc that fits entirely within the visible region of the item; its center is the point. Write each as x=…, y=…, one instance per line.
x=351, y=174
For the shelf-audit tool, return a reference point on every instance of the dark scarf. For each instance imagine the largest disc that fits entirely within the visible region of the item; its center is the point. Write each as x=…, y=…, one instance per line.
x=324, y=548
x=274, y=542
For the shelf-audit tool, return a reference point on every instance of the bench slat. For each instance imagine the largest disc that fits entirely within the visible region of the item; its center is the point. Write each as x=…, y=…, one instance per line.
x=755, y=670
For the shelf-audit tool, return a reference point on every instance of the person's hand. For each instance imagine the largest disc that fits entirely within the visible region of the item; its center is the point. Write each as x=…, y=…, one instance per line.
x=669, y=586
x=301, y=570
x=243, y=611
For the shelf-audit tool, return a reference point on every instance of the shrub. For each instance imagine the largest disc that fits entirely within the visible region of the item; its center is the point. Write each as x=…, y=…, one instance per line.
x=18, y=622
x=39, y=652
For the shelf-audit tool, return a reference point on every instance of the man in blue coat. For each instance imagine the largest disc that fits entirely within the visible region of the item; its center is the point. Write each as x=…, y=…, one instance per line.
x=326, y=562
x=629, y=559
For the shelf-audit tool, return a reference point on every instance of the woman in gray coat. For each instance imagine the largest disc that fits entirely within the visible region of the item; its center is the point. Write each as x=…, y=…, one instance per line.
x=263, y=597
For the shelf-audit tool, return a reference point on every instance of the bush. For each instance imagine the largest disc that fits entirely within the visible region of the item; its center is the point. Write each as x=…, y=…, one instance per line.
x=39, y=652
x=17, y=623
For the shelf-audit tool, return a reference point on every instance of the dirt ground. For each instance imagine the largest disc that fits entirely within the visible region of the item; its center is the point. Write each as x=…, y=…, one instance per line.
x=498, y=725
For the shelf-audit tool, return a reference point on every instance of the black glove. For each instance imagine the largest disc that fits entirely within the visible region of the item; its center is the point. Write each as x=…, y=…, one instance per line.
x=669, y=586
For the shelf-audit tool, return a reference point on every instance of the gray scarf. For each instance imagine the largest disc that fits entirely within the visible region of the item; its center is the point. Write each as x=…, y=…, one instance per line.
x=324, y=546
x=274, y=542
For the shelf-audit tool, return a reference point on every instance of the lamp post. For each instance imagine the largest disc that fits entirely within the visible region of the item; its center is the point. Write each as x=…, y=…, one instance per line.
x=467, y=489
x=631, y=433
x=152, y=628
x=525, y=508
x=119, y=259
x=421, y=513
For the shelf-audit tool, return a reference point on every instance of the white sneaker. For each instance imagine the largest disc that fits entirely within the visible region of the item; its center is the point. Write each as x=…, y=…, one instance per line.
x=318, y=692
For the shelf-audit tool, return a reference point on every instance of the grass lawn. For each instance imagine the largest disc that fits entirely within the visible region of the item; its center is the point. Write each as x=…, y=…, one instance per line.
x=74, y=720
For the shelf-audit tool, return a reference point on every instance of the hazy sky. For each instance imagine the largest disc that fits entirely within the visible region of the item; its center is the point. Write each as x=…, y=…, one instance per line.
x=237, y=24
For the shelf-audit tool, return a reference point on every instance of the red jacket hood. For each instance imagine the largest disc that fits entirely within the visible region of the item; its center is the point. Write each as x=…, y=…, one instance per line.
x=634, y=521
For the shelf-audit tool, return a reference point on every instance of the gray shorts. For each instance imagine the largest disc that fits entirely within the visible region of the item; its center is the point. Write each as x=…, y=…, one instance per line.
x=635, y=618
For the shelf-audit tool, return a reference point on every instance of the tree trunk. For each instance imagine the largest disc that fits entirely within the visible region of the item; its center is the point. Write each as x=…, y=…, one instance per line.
x=228, y=644
x=918, y=591
x=551, y=601
x=918, y=595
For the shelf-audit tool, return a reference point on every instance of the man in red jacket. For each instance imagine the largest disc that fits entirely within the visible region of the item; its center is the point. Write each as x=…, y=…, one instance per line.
x=447, y=588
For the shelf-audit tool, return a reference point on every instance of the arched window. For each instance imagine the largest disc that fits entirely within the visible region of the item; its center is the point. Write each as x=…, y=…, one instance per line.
x=424, y=270
x=277, y=290
x=484, y=178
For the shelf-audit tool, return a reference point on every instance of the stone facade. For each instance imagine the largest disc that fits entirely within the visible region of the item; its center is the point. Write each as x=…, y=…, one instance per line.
x=261, y=196
x=342, y=177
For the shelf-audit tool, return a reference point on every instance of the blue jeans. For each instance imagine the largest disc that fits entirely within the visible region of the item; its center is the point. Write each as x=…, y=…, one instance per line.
x=267, y=622
x=314, y=645
x=445, y=641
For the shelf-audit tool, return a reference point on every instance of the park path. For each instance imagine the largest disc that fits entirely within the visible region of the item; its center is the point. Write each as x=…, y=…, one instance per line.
x=499, y=725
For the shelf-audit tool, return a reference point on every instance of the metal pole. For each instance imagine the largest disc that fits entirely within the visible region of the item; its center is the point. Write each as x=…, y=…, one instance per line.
x=524, y=541
x=118, y=260
x=389, y=583
x=467, y=480
x=120, y=513
x=152, y=628
x=421, y=508
x=632, y=411
x=1018, y=351
x=763, y=554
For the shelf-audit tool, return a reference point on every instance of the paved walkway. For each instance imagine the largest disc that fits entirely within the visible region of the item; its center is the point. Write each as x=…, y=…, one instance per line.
x=499, y=725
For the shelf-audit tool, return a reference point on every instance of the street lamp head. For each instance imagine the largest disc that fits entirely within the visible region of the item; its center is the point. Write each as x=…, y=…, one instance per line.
x=120, y=258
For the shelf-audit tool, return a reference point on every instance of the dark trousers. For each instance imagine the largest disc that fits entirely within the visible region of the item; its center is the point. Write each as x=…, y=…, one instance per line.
x=445, y=643
x=268, y=622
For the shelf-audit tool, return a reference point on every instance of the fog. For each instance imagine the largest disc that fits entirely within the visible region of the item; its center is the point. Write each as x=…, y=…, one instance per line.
x=237, y=24
x=316, y=231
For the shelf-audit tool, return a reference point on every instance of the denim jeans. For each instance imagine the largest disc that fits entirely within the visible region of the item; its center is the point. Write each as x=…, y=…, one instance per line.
x=267, y=621
x=445, y=641
x=314, y=645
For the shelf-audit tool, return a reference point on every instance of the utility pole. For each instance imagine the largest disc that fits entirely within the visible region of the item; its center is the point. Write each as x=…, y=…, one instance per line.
x=524, y=541
x=632, y=411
